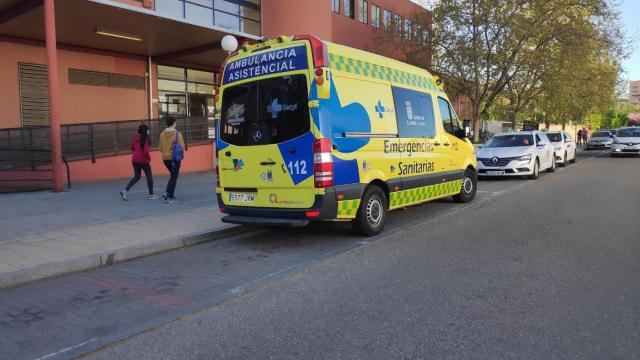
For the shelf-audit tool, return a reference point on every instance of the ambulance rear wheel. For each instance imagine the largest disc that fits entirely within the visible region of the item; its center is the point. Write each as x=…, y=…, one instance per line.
x=469, y=187
x=372, y=213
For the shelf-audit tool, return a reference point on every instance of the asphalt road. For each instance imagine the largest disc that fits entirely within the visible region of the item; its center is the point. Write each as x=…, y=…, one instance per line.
x=532, y=269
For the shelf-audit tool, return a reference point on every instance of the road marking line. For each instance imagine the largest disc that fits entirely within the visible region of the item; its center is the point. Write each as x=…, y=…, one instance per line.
x=66, y=349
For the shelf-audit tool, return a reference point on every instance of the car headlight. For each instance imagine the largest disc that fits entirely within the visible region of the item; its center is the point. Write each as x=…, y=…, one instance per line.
x=525, y=158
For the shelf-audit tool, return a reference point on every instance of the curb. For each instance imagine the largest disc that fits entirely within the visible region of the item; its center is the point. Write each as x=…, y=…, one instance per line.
x=111, y=257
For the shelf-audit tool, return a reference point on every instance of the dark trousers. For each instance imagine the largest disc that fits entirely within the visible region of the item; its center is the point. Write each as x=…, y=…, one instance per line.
x=137, y=168
x=174, y=170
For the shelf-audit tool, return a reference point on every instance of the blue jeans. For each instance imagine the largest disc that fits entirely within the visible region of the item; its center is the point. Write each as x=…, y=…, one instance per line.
x=174, y=171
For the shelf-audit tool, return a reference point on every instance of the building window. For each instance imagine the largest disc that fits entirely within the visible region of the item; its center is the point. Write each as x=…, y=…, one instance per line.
x=424, y=33
x=185, y=92
x=335, y=6
x=397, y=22
x=375, y=16
x=238, y=15
x=387, y=20
x=408, y=30
x=349, y=9
x=363, y=8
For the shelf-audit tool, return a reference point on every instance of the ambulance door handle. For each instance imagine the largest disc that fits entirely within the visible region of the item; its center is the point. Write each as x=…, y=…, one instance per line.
x=446, y=144
x=228, y=153
x=436, y=144
x=266, y=163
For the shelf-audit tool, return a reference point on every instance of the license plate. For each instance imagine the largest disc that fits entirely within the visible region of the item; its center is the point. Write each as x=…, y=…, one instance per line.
x=244, y=198
x=495, y=172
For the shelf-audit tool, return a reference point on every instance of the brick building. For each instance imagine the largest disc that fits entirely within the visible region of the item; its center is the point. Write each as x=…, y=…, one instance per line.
x=133, y=60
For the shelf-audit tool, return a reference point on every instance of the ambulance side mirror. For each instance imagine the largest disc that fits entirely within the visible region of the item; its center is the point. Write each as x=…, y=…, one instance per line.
x=466, y=127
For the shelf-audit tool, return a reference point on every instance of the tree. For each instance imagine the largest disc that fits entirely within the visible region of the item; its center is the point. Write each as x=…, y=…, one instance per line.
x=520, y=57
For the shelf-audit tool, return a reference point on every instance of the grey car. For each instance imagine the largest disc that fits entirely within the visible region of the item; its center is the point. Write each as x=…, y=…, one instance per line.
x=600, y=140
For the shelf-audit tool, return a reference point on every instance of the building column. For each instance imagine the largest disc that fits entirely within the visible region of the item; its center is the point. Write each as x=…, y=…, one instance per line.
x=52, y=62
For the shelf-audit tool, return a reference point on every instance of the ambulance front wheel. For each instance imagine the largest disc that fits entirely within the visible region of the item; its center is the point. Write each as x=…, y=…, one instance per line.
x=372, y=213
x=469, y=187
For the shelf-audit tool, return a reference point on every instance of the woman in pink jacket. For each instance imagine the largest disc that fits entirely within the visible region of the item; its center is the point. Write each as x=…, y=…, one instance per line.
x=141, y=161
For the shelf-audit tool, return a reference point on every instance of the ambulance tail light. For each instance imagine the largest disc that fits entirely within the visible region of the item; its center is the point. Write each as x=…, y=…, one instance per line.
x=318, y=49
x=322, y=163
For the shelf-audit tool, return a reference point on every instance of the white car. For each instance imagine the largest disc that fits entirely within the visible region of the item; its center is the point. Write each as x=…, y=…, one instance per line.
x=523, y=153
x=601, y=139
x=565, y=147
x=626, y=142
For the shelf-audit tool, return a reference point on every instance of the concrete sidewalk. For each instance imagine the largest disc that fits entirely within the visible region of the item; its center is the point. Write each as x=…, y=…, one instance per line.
x=45, y=234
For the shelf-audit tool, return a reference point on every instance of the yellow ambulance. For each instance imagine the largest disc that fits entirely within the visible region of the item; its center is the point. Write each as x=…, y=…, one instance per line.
x=309, y=130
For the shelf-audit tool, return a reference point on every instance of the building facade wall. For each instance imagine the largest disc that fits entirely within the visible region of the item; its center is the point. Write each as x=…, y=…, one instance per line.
x=634, y=92
x=78, y=103
x=296, y=17
x=354, y=33
x=291, y=17
x=196, y=158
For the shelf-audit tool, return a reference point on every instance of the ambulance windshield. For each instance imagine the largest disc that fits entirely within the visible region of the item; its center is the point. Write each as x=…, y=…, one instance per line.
x=266, y=111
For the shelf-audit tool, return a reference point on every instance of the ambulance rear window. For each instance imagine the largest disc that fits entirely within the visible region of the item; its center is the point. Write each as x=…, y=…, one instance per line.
x=268, y=111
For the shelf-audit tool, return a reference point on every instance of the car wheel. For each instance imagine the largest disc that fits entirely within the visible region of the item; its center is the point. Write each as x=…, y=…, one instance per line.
x=553, y=164
x=469, y=187
x=536, y=170
x=372, y=213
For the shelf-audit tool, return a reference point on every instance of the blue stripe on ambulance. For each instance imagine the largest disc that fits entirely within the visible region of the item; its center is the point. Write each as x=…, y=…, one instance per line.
x=345, y=171
x=352, y=117
x=303, y=146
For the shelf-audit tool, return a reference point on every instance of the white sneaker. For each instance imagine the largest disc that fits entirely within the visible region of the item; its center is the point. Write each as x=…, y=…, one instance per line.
x=124, y=194
x=152, y=197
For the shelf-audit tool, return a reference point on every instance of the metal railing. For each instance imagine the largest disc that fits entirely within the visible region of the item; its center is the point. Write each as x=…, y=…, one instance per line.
x=24, y=150
x=93, y=140
x=27, y=170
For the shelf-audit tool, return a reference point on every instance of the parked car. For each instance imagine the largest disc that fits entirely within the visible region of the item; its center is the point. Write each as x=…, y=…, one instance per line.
x=600, y=140
x=523, y=153
x=565, y=147
x=626, y=142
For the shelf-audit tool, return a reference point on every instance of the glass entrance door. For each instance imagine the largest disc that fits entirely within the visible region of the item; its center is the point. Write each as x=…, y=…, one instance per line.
x=197, y=105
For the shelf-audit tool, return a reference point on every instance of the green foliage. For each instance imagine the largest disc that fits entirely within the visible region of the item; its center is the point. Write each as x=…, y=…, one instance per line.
x=614, y=117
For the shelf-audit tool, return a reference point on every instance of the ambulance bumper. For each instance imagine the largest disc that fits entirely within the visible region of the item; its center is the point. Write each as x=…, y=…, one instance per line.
x=261, y=221
x=324, y=208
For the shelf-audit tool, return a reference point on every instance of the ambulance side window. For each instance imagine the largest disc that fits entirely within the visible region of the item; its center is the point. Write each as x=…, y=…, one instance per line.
x=414, y=113
x=449, y=118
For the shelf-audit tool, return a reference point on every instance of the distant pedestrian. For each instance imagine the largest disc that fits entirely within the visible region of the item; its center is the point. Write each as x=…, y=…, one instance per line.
x=141, y=161
x=585, y=135
x=579, y=137
x=172, y=150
